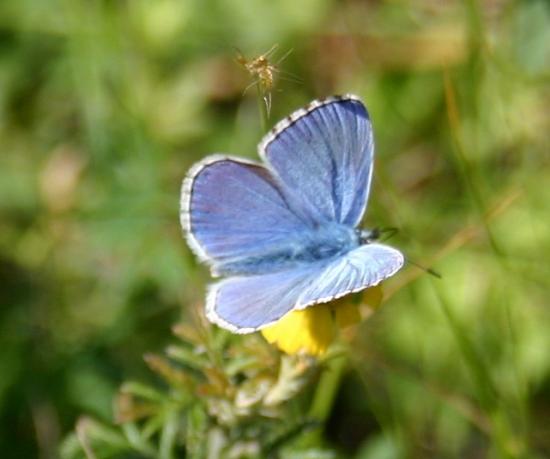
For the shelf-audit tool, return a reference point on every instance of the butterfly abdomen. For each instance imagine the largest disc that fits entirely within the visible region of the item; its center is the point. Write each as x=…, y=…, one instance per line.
x=323, y=243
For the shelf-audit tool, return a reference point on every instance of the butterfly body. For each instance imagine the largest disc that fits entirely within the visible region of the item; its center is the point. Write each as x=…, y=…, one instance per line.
x=284, y=234
x=303, y=248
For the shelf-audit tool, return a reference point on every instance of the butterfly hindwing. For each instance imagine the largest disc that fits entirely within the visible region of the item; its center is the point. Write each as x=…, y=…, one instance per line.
x=363, y=267
x=247, y=304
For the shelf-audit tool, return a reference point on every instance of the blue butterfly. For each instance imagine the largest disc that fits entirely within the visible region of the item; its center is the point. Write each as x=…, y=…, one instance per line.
x=284, y=233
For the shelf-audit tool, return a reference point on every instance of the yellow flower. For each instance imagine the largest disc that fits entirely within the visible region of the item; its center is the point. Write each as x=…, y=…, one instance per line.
x=313, y=329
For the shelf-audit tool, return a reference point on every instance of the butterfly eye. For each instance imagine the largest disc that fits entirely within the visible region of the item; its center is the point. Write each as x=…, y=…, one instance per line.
x=368, y=236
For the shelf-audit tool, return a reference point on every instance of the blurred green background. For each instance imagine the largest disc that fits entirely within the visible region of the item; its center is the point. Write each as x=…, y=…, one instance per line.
x=104, y=105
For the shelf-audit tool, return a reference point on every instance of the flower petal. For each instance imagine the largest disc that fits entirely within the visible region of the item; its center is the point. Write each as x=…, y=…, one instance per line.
x=346, y=314
x=372, y=297
x=310, y=331
x=313, y=329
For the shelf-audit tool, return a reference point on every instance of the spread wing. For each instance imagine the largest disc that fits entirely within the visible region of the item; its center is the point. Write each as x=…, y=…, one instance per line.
x=232, y=209
x=322, y=157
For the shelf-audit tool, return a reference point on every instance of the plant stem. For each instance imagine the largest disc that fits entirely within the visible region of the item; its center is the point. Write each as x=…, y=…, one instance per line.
x=325, y=394
x=327, y=388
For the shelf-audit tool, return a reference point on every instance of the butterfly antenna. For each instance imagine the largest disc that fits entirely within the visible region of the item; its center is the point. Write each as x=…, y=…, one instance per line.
x=423, y=268
x=391, y=231
x=386, y=233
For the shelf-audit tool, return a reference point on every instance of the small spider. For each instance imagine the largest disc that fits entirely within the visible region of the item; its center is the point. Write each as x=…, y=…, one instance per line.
x=263, y=72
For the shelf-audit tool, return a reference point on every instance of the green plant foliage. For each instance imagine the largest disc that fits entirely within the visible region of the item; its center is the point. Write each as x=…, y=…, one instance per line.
x=104, y=105
x=220, y=399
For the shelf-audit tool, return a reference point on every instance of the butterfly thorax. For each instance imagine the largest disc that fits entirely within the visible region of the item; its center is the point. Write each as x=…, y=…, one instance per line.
x=324, y=242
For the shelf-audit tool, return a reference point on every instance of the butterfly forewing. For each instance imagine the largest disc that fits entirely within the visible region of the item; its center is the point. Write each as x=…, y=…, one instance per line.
x=233, y=210
x=323, y=156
